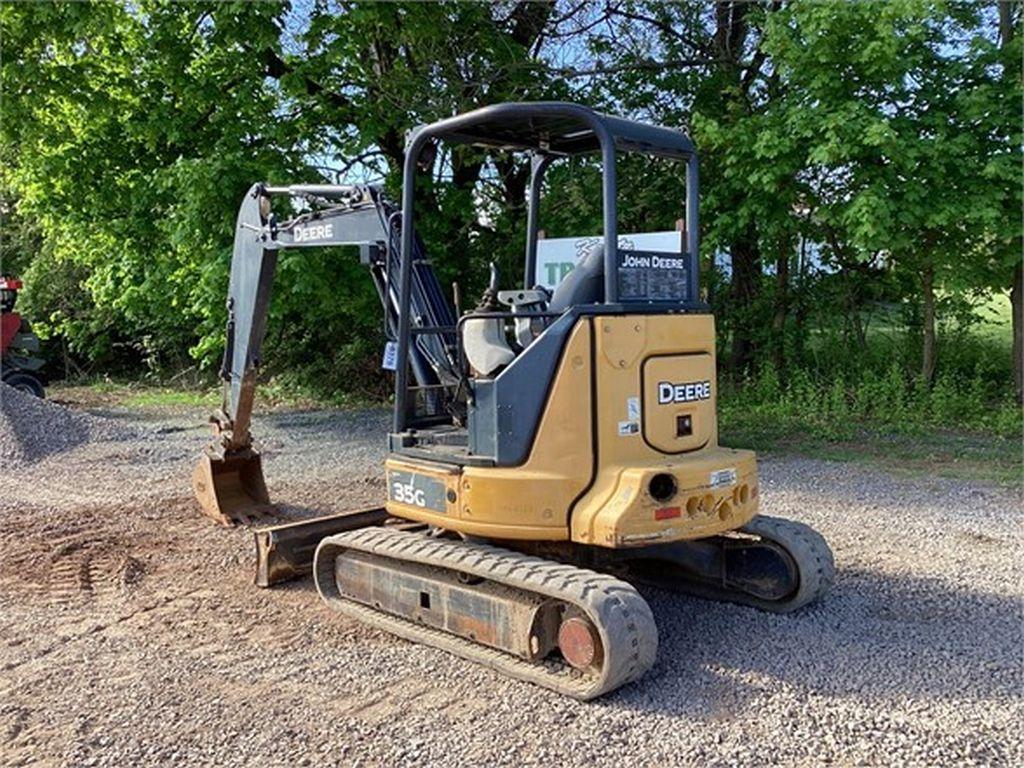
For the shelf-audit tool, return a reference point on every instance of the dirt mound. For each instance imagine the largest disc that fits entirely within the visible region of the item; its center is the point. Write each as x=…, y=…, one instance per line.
x=32, y=429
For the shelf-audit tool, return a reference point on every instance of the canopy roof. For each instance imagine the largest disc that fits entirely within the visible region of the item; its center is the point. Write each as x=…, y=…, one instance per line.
x=556, y=127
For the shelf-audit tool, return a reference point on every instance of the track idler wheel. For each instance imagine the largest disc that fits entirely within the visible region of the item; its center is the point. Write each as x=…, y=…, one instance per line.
x=232, y=489
x=801, y=552
x=580, y=643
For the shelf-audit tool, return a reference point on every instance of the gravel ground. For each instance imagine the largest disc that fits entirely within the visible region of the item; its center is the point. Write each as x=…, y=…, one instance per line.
x=131, y=633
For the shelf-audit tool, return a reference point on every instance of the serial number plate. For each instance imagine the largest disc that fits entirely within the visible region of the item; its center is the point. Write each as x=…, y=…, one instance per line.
x=416, y=490
x=722, y=477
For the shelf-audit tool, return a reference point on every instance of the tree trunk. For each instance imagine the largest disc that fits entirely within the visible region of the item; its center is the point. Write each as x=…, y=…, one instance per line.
x=1005, y=21
x=859, y=331
x=746, y=273
x=851, y=277
x=1006, y=34
x=728, y=47
x=928, y=323
x=1017, y=309
x=800, y=301
x=781, y=309
x=708, y=283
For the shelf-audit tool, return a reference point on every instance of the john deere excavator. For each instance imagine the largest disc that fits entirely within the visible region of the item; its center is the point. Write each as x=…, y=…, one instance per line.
x=550, y=450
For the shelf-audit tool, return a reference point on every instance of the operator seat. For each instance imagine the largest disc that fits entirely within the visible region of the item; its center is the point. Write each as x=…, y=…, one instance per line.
x=583, y=285
x=483, y=340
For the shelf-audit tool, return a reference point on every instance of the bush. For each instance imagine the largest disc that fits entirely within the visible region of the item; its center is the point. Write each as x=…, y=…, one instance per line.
x=832, y=399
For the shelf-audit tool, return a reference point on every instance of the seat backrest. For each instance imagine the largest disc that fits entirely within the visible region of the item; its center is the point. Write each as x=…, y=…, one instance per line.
x=485, y=346
x=583, y=285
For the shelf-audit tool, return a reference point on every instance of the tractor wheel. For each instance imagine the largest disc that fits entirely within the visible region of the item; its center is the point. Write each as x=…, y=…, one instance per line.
x=26, y=382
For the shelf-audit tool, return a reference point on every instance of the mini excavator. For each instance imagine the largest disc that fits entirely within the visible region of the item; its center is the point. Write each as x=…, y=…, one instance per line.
x=550, y=450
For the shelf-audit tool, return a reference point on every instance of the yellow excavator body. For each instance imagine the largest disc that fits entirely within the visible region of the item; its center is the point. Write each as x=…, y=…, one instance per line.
x=626, y=453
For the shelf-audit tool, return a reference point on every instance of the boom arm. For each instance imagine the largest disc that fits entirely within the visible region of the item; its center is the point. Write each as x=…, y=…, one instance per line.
x=258, y=238
x=229, y=480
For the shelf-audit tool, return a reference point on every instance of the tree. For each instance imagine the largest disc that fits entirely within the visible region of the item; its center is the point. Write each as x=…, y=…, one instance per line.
x=130, y=132
x=389, y=67
x=905, y=133
x=850, y=152
x=706, y=69
x=1005, y=167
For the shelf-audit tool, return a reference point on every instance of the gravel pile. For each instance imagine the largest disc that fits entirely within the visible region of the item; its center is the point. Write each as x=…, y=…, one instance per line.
x=117, y=458
x=32, y=428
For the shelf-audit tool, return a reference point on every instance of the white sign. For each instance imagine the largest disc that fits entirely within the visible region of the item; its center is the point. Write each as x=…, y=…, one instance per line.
x=722, y=477
x=556, y=257
x=633, y=408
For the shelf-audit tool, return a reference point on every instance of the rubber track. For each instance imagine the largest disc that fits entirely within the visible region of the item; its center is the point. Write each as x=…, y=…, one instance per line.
x=622, y=617
x=805, y=545
x=813, y=556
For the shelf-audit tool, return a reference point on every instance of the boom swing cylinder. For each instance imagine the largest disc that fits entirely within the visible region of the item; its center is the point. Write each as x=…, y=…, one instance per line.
x=550, y=450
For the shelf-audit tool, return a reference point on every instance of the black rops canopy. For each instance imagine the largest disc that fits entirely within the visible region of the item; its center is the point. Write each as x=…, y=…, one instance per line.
x=556, y=127
x=548, y=129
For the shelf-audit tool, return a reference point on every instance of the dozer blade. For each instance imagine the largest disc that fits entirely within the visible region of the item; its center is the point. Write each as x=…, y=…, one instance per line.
x=285, y=551
x=231, y=489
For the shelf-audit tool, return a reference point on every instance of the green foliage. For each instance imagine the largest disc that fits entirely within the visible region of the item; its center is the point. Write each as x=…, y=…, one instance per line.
x=138, y=129
x=847, y=149
x=139, y=126
x=844, y=394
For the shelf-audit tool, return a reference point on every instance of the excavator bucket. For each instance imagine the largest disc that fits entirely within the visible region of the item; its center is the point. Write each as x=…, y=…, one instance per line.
x=231, y=489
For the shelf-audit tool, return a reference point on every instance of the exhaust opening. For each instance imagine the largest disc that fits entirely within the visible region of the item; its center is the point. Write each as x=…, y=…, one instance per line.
x=662, y=487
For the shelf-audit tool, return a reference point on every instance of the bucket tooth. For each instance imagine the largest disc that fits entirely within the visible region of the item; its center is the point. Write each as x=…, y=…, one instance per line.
x=232, y=489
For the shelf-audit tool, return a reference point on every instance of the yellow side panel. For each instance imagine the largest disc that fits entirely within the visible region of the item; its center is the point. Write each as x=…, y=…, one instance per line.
x=531, y=501
x=515, y=502
x=624, y=344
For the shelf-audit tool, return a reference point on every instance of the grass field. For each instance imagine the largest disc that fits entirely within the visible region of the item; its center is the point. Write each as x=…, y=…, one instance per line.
x=141, y=396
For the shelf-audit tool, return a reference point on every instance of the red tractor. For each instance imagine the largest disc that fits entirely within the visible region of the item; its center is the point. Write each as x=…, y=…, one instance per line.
x=17, y=343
